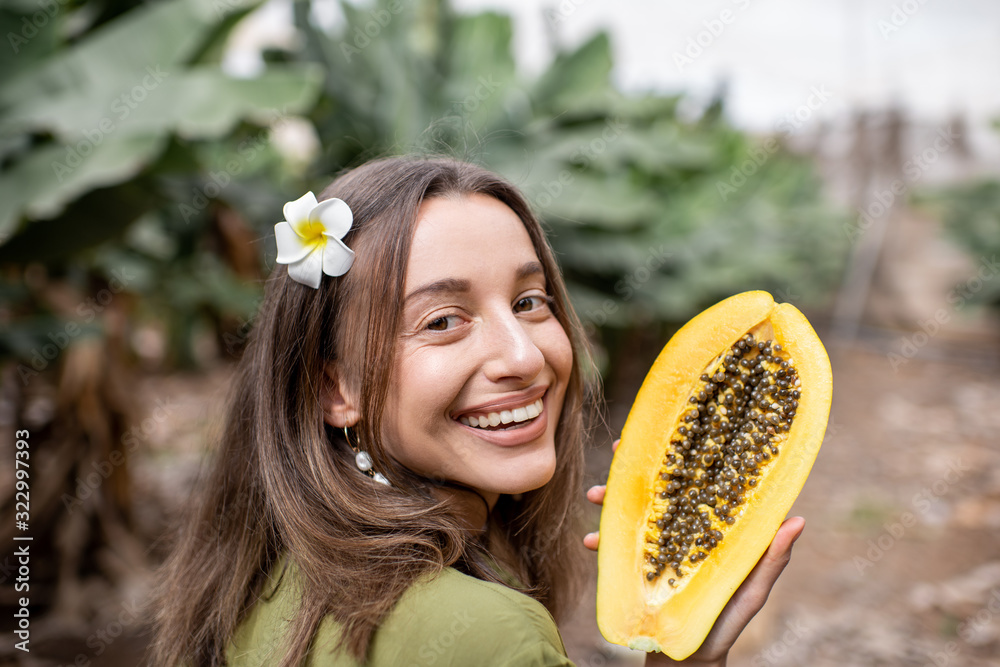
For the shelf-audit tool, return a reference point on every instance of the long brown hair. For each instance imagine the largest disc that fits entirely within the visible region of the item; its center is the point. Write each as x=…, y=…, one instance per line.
x=283, y=481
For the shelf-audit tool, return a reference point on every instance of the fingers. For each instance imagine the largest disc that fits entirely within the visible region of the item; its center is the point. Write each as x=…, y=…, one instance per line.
x=753, y=593
x=790, y=530
x=774, y=560
x=595, y=494
x=614, y=445
x=779, y=552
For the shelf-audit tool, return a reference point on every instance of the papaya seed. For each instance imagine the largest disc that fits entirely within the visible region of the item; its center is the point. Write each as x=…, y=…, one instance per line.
x=752, y=392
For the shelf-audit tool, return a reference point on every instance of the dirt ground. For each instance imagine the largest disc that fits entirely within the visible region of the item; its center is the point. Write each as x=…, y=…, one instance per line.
x=899, y=563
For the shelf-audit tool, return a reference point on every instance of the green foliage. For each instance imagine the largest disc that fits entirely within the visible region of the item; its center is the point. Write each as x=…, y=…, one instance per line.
x=634, y=196
x=101, y=111
x=649, y=213
x=971, y=216
x=107, y=124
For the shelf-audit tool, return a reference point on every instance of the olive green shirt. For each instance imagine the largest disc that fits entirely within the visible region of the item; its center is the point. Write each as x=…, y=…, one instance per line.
x=450, y=620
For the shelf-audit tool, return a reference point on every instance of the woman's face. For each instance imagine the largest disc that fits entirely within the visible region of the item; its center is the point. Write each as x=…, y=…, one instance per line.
x=482, y=363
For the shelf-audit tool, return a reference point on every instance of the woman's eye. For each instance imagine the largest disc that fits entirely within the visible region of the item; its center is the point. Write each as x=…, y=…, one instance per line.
x=530, y=303
x=442, y=323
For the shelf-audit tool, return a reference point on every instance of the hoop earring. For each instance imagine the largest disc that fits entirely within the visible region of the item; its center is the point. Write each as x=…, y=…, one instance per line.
x=363, y=460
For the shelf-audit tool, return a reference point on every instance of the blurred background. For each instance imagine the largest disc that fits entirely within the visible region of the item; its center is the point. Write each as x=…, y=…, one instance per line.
x=843, y=156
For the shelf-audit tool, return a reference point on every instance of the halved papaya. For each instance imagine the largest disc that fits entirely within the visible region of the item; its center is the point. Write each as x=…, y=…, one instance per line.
x=716, y=447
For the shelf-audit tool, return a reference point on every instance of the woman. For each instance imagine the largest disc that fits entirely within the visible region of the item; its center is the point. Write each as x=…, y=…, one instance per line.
x=397, y=480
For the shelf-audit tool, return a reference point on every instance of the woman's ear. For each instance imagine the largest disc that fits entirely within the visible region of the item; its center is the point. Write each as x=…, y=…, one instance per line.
x=340, y=406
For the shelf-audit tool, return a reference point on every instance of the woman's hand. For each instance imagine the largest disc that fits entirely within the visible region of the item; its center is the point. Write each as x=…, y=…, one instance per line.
x=746, y=601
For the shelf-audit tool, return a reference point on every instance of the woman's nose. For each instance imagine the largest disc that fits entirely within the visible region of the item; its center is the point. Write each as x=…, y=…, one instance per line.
x=512, y=352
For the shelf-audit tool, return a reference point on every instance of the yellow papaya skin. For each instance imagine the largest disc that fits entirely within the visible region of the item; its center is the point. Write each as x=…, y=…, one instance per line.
x=675, y=617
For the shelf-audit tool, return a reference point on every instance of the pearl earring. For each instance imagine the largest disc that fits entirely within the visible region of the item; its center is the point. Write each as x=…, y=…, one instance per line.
x=363, y=460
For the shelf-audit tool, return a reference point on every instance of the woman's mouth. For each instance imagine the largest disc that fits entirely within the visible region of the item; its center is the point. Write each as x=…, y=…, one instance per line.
x=504, y=419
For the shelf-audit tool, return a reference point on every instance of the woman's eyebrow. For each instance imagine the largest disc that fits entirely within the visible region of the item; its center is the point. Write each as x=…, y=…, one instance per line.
x=529, y=269
x=443, y=286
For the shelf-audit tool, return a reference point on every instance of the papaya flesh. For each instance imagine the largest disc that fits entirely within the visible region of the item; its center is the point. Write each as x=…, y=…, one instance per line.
x=716, y=447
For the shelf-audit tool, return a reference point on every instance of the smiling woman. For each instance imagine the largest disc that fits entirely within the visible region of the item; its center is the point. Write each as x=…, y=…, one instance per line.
x=478, y=341
x=434, y=350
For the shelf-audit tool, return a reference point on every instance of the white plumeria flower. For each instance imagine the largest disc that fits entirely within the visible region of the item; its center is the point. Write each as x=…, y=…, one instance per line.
x=309, y=239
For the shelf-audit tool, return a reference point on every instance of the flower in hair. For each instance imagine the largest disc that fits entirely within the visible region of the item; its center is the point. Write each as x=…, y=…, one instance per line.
x=309, y=239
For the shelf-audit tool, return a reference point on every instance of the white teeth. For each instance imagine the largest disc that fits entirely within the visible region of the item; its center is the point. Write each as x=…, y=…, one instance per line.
x=516, y=415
